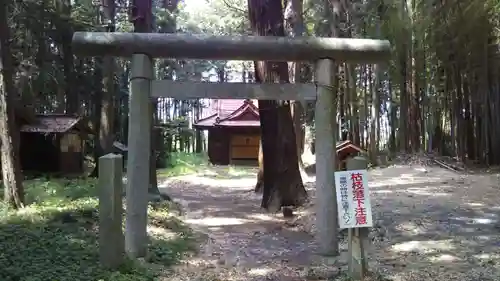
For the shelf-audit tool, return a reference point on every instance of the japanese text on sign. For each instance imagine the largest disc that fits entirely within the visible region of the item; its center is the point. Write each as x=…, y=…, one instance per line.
x=353, y=199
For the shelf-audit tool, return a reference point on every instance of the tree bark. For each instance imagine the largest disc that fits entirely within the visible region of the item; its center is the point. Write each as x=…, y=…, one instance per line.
x=105, y=111
x=72, y=98
x=351, y=92
x=9, y=132
x=402, y=57
x=375, y=106
x=259, y=186
x=282, y=183
x=295, y=22
x=143, y=26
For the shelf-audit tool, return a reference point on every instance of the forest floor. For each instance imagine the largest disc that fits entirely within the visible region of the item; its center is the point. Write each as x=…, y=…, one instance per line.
x=430, y=224
x=55, y=237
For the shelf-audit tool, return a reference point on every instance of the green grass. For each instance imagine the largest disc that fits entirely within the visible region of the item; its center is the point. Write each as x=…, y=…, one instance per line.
x=232, y=172
x=185, y=164
x=55, y=237
x=189, y=164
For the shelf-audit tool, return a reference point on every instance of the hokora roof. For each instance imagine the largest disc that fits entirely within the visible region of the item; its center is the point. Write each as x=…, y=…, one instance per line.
x=231, y=113
x=54, y=123
x=347, y=145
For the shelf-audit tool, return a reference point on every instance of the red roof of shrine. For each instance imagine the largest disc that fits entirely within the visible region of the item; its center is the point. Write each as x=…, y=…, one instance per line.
x=231, y=113
x=346, y=147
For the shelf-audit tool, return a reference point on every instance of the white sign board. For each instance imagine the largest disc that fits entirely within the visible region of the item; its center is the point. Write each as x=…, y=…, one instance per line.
x=353, y=199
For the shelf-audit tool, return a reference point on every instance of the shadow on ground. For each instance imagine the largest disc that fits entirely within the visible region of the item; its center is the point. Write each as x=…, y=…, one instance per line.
x=436, y=224
x=241, y=236
x=430, y=225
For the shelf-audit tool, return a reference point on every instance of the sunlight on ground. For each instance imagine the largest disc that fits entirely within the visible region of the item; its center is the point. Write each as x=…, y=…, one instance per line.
x=444, y=258
x=260, y=271
x=421, y=169
x=197, y=262
x=424, y=200
x=162, y=232
x=400, y=181
x=228, y=172
x=57, y=235
x=383, y=191
x=263, y=217
x=427, y=191
x=483, y=237
x=420, y=181
x=406, y=176
x=476, y=220
x=411, y=227
x=429, y=246
x=474, y=204
x=424, y=191
x=487, y=256
x=235, y=184
x=212, y=221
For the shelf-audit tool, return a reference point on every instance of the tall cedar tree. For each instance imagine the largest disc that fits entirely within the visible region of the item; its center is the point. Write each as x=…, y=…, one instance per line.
x=9, y=132
x=279, y=175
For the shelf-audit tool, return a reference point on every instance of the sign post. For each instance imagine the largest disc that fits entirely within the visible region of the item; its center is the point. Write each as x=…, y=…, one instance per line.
x=355, y=213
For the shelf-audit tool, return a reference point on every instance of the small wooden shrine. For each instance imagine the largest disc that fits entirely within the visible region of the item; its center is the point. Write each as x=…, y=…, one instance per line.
x=233, y=131
x=345, y=150
x=53, y=143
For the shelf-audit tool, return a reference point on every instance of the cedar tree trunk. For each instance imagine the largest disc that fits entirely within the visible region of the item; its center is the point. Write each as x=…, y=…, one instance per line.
x=281, y=180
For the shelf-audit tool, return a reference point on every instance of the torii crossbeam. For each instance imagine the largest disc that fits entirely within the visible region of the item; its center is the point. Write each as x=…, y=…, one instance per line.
x=252, y=48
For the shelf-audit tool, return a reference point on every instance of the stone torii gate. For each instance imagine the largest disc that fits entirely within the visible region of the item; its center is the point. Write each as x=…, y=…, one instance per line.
x=143, y=47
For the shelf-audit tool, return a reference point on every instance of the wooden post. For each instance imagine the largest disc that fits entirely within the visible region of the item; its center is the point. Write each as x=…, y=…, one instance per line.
x=326, y=201
x=358, y=240
x=110, y=185
x=138, y=156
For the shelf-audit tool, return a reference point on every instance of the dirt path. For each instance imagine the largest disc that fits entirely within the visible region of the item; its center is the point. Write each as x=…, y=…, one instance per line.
x=436, y=224
x=431, y=224
x=243, y=241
